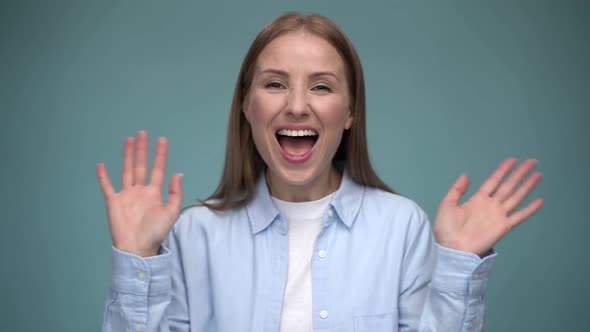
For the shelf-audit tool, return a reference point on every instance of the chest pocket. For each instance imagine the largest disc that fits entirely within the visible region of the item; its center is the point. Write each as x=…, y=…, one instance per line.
x=376, y=323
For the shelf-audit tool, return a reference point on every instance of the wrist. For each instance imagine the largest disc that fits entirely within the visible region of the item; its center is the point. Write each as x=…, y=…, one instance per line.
x=137, y=251
x=473, y=249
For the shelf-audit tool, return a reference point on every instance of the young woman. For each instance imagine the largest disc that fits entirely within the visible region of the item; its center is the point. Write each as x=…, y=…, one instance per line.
x=301, y=234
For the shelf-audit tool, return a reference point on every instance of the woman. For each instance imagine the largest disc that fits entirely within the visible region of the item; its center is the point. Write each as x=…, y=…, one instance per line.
x=301, y=234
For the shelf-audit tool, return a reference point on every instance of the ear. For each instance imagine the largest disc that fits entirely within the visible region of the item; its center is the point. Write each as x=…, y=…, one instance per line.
x=245, y=108
x=349, y=120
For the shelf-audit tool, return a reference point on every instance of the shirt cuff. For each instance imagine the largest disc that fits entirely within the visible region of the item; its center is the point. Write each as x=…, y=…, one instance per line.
x=462, y=272
x=138, y=275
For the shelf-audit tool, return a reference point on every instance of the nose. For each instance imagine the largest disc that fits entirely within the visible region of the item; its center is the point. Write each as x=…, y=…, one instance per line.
x=298, y=105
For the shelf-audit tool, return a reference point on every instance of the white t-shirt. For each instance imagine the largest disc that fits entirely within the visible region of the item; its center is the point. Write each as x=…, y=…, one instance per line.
x=305, y=221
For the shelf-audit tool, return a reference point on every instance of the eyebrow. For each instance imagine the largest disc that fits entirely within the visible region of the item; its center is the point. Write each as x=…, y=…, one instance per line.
x=285, y=74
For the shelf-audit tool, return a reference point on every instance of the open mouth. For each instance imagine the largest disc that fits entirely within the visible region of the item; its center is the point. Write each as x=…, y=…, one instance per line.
x=297, y=145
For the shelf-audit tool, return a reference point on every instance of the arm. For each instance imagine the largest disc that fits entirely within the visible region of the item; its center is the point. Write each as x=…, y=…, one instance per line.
x=456, y=294
x=140, y=293
x=445, y=281
x=443, y=289
x=158, y=300
x=146, y=254
x=147, y=293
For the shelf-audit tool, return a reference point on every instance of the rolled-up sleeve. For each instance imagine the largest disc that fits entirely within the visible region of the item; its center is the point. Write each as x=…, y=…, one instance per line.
x=140, y=291
x=456, y=294
x=443, y=289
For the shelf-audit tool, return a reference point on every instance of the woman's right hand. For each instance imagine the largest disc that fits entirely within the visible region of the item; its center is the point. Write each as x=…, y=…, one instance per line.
x=138, y=219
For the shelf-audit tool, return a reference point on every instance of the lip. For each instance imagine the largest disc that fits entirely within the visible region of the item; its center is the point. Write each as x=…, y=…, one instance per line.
x=302, y=158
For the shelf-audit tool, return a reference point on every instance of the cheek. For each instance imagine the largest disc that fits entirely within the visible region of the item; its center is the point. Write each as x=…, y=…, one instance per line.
x=262, y=110
x=333, y=113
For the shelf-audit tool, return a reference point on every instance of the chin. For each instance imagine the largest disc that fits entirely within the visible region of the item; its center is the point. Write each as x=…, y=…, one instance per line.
x=299, y=177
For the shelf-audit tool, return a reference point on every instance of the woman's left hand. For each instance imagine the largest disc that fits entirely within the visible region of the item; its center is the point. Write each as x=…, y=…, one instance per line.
x=478, y=224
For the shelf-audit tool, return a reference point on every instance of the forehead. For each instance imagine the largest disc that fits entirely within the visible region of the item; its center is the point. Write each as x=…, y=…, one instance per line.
x=300, y=50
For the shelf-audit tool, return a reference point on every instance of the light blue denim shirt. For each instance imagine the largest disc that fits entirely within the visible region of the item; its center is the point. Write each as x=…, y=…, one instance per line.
x=375, y=267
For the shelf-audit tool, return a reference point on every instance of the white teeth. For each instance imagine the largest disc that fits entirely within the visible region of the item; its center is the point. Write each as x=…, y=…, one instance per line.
x=294, y=133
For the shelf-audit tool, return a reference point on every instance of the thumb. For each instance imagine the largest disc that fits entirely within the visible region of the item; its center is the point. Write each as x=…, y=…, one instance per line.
x=458, y=189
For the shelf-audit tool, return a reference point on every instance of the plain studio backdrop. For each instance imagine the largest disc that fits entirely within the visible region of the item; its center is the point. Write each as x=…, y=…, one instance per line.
x=452, y=87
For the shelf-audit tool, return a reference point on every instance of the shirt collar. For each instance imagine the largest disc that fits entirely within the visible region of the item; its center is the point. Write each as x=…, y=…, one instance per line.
x=348, y=199
x=346, y=203
x=261, y=210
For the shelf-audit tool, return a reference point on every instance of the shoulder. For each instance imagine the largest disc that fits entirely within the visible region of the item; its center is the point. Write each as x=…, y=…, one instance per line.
x=391, y=203
x=202, y=220
x=393, y=209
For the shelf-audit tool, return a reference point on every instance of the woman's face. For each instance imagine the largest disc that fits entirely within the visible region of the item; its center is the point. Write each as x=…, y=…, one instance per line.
x=298, y=107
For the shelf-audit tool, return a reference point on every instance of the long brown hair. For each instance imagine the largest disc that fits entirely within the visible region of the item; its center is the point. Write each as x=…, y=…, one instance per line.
x=243, y=164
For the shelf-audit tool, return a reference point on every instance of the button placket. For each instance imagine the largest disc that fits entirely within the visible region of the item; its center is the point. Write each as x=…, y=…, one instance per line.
x=319, y=277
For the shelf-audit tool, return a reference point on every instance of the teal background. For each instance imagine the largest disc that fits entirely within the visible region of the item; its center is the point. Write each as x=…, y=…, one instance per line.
x=452, y=86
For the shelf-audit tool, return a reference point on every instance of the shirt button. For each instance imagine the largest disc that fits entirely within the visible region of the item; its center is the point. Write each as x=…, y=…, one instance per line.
x=322, y=254
x=141, y=276
x=138, y=327
x=330, y=213
x=324, y=314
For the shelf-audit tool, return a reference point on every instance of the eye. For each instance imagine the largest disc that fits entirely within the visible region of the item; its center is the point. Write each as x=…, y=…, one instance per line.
x=322, y=88
x=274, y=85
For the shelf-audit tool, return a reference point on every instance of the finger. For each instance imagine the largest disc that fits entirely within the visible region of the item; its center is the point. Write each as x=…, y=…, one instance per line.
x=458, y=189
x=523, y=214
x=507, y=187
x=490, y=185
x=127, y=175
x=175, y=194
x=140, y=167
x=104, y=181
x=522, y=192
x=159, y=170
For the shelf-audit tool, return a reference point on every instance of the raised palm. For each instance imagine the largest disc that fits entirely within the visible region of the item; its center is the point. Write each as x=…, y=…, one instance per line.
x=138, y=218
x=478, y=224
